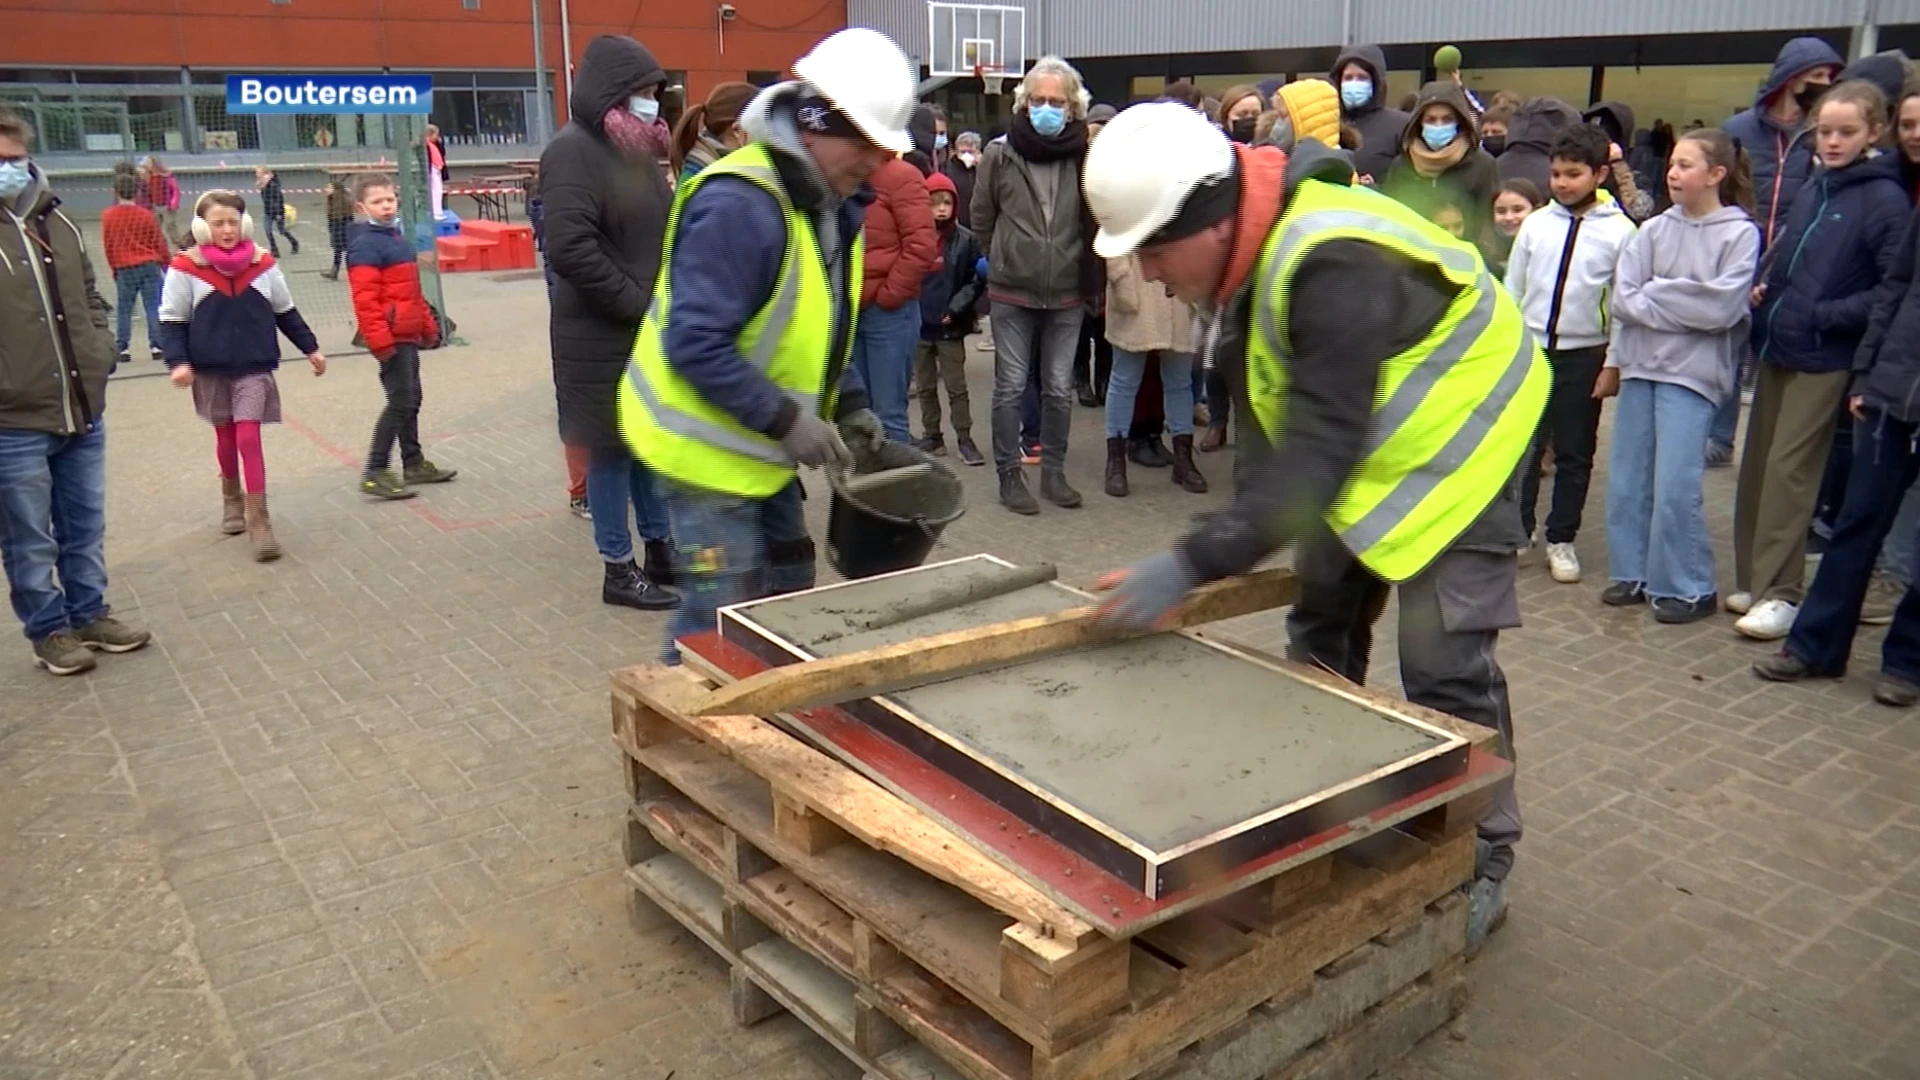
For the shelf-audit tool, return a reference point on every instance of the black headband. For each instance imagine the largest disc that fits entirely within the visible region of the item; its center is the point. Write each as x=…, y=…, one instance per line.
x=817, y=114
x=1214, y=201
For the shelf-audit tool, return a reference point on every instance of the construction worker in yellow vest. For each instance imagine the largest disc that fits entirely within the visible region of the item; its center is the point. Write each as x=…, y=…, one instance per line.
x=740, y=370
x=1390, y=390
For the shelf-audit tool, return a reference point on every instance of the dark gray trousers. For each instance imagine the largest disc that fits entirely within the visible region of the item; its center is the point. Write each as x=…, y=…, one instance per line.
x=1451, y=616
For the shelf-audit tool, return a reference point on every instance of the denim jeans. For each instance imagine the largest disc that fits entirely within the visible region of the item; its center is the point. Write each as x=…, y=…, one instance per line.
x=1897, y=554
x=883, y=345
x=1656, y=514
x=1884, y=466
x=53, y=518
x=1016, y=333
x=1029, y=409
x=137, y=285
x=616, y=481
x=1176, y=390
x=728, y=549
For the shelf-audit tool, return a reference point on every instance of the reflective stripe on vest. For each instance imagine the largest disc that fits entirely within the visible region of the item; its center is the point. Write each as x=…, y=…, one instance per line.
x=677, y=432
x=1453, y=414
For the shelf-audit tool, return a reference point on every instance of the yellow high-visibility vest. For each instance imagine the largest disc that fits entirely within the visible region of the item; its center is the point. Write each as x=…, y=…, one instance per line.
x=677, y=432
x=1453, y=414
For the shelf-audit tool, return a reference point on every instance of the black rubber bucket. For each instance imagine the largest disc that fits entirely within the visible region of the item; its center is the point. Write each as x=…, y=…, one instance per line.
x=892, y=527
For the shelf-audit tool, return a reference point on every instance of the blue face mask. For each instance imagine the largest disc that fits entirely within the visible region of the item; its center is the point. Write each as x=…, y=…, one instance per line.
x=1356, y=93
x=1047, y=119
x=645, y=108
x=1437, y=136
x=940, y=140
x=14, y=178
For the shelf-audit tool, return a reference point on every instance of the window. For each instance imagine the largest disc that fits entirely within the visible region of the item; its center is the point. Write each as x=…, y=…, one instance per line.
x=1682, y=94
x=763, y=78
x=470, y=5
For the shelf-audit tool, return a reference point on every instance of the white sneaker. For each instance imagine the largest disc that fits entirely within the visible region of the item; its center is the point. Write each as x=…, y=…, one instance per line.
x=1770, y=620
x=1739, y=603
x=1563, y=563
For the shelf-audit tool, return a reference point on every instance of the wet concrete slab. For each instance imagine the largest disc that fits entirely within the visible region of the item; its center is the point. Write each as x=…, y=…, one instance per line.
x=1164, y=740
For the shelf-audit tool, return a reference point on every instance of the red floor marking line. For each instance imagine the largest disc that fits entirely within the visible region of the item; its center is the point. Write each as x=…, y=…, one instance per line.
x=417, y=507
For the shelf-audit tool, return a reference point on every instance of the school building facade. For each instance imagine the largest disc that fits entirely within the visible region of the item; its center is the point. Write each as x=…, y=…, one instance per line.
x=1678, y=60
x=100, y=77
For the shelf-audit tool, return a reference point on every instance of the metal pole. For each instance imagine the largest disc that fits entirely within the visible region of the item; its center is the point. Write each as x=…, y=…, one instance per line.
x=1346, y=23
x=1866, y=36
x=566, y=50
x=544, y=123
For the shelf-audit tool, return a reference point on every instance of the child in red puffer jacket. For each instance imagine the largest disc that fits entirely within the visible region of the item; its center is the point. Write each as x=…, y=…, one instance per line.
x=396, y=323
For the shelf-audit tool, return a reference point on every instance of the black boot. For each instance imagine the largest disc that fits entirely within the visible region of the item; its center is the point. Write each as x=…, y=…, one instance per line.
x=1116, y=481
x=1014, y=494
x=1149, y=453
x=626, y=586
x=659, y=566
x=1185, y=472
x=1055, y=489
x=1088, y=397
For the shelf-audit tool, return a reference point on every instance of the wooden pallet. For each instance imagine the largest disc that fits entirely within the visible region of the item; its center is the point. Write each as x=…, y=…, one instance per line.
x=917, y=957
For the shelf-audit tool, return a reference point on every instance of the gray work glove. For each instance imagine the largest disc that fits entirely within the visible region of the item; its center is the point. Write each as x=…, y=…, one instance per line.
x=1145, y=595
x=862, y=431
x=813, y=441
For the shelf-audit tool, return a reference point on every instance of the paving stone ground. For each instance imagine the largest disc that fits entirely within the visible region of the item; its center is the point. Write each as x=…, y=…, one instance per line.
x=355, y=813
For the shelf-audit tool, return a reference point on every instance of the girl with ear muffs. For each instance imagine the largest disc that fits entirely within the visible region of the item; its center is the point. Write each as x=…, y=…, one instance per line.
x=222, y=308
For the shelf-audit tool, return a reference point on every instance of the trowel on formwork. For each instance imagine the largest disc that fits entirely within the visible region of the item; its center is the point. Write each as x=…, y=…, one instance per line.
x=888, y=668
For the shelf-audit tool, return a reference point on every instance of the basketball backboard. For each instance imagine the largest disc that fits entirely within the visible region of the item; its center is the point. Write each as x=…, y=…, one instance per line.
x=962, y=37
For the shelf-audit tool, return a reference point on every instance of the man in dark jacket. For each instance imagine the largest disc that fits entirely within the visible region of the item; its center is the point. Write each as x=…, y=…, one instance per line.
x=1530, y=135
x=605, y=216
x=55, y=354
x=1361, y=75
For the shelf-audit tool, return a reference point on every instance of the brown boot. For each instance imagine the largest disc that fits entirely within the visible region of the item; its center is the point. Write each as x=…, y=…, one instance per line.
x=1116, y=479
x=260, y=529
x=1185, y=472
x=233, y=512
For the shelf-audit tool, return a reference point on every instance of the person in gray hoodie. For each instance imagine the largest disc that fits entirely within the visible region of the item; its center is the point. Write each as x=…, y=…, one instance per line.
x=1680, y=314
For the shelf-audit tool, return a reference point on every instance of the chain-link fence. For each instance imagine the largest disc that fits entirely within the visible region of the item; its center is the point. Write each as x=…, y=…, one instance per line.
x=308, y=242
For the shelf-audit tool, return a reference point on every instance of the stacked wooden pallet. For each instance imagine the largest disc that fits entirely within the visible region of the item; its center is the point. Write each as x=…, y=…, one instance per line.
x=919, y=958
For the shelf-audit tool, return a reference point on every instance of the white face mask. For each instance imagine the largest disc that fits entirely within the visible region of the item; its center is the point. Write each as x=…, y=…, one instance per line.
x=645, y=108
x=968, y=157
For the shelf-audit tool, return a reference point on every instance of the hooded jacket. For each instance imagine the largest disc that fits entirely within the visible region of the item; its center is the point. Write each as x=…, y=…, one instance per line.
x=1561, y=270
x=1680, y=300
x=901, y=245
x=1782, y=157
x=1469, y=185
x=920, y=128
x=605, y=217
x=1887, y=366
x=952, y=288
x=1380, y=127
x=1835, y=245
x=1616, y=119
x=1530, y=134
x=725, y=262
x=53, y=321
x=1313, y=107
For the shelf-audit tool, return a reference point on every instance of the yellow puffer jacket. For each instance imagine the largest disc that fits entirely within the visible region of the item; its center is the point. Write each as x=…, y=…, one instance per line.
x=1314, y=107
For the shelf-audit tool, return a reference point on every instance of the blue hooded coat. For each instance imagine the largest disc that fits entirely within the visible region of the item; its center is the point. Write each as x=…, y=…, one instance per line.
x=1782, y=157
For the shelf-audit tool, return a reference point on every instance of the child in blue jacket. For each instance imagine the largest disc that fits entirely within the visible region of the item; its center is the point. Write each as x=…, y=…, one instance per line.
x=1814, y=299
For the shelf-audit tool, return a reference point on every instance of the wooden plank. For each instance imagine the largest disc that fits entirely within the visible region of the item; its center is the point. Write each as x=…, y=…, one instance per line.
x=684, y=893
x=1361, y=903
x=862, y=808
x=941, y=928
x=813, y=987
x=1198, y=941
x=797, y=823
x=749, y=1002
x=1069, y=999
x=952, y=1027
x=887, y=668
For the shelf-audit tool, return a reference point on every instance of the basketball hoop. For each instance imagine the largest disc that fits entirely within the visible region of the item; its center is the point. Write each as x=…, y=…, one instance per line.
x=992, y=77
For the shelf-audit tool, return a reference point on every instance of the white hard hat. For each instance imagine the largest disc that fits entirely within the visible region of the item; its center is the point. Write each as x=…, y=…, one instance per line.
x=1142, y=167
x=869, y=79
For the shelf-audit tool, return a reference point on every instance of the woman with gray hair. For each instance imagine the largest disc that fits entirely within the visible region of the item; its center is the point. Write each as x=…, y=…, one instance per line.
x=1041, y=273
